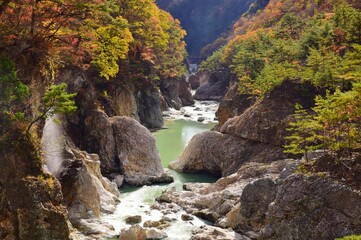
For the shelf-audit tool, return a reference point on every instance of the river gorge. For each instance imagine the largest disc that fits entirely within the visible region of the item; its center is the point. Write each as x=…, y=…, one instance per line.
x=171, y=141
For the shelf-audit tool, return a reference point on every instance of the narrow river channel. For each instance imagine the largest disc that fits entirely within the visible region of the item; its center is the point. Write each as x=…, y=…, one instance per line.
x=171, y=141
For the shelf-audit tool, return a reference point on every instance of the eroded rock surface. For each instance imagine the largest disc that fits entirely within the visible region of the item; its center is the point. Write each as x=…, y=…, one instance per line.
x=31, y=202
x=313, y=208
x=215, y=87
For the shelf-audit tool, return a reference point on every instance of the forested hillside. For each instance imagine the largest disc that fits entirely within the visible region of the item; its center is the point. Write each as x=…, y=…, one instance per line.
x=205, y=20
x=316, y=42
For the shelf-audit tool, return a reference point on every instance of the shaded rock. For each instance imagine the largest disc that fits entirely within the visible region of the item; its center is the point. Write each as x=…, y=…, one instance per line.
x=313, y=208
x=170, y=91
x=233, y=104
x=185, y=94
x=201, y=119
x=216, y=86
x=133, y=219
x=254, y=202
x=222, y=154
x=186, y=217
x=149, y=108
x=137, y=152
x=119, y=180
x=267, y=120
x=194, y=81
x=99, y=138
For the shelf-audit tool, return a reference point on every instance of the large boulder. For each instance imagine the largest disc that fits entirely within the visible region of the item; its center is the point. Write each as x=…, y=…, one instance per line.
x=125, y=147
x=222, y=154
x=313, y=207
x=137, y=152
x=215, y=87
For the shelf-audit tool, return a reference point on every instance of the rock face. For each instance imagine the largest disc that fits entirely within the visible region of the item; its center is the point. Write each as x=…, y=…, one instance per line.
x=149, y=108
x=194, y=81
x=313, y=208
x=30, y=201
x=266, y=121
x=86, y=192
x=137, y=99
x=256, y=135
x=215, y=87
x=233, y=104
x=176, y=92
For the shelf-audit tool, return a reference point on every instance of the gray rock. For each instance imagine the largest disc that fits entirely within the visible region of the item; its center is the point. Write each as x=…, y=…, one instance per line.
x=137, y=153
x=155, y=234
x=216, y=86
x=133, y=219
x=186, y=217
x=135, y=232
x=119, y=180
x=149, y=108
x=313, y=208
x=201, y=119
x=194, y=81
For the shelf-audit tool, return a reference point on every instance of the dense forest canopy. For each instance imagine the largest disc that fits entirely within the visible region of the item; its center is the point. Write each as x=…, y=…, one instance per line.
x=119, y=39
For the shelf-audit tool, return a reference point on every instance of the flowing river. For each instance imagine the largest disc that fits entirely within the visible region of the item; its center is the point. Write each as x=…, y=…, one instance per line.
x=180, y=127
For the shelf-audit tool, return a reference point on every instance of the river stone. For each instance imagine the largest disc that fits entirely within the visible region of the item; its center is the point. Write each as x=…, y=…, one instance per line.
x=215, y=233
x=119, y=180
x=155, y=234
x=135, y=232
x=133, y=219
x=186, y=217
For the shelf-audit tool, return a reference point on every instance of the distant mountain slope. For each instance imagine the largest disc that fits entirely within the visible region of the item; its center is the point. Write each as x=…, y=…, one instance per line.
x=205, y=20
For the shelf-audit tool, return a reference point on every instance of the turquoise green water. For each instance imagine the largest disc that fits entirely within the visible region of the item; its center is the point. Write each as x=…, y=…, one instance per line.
x=172, y=141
